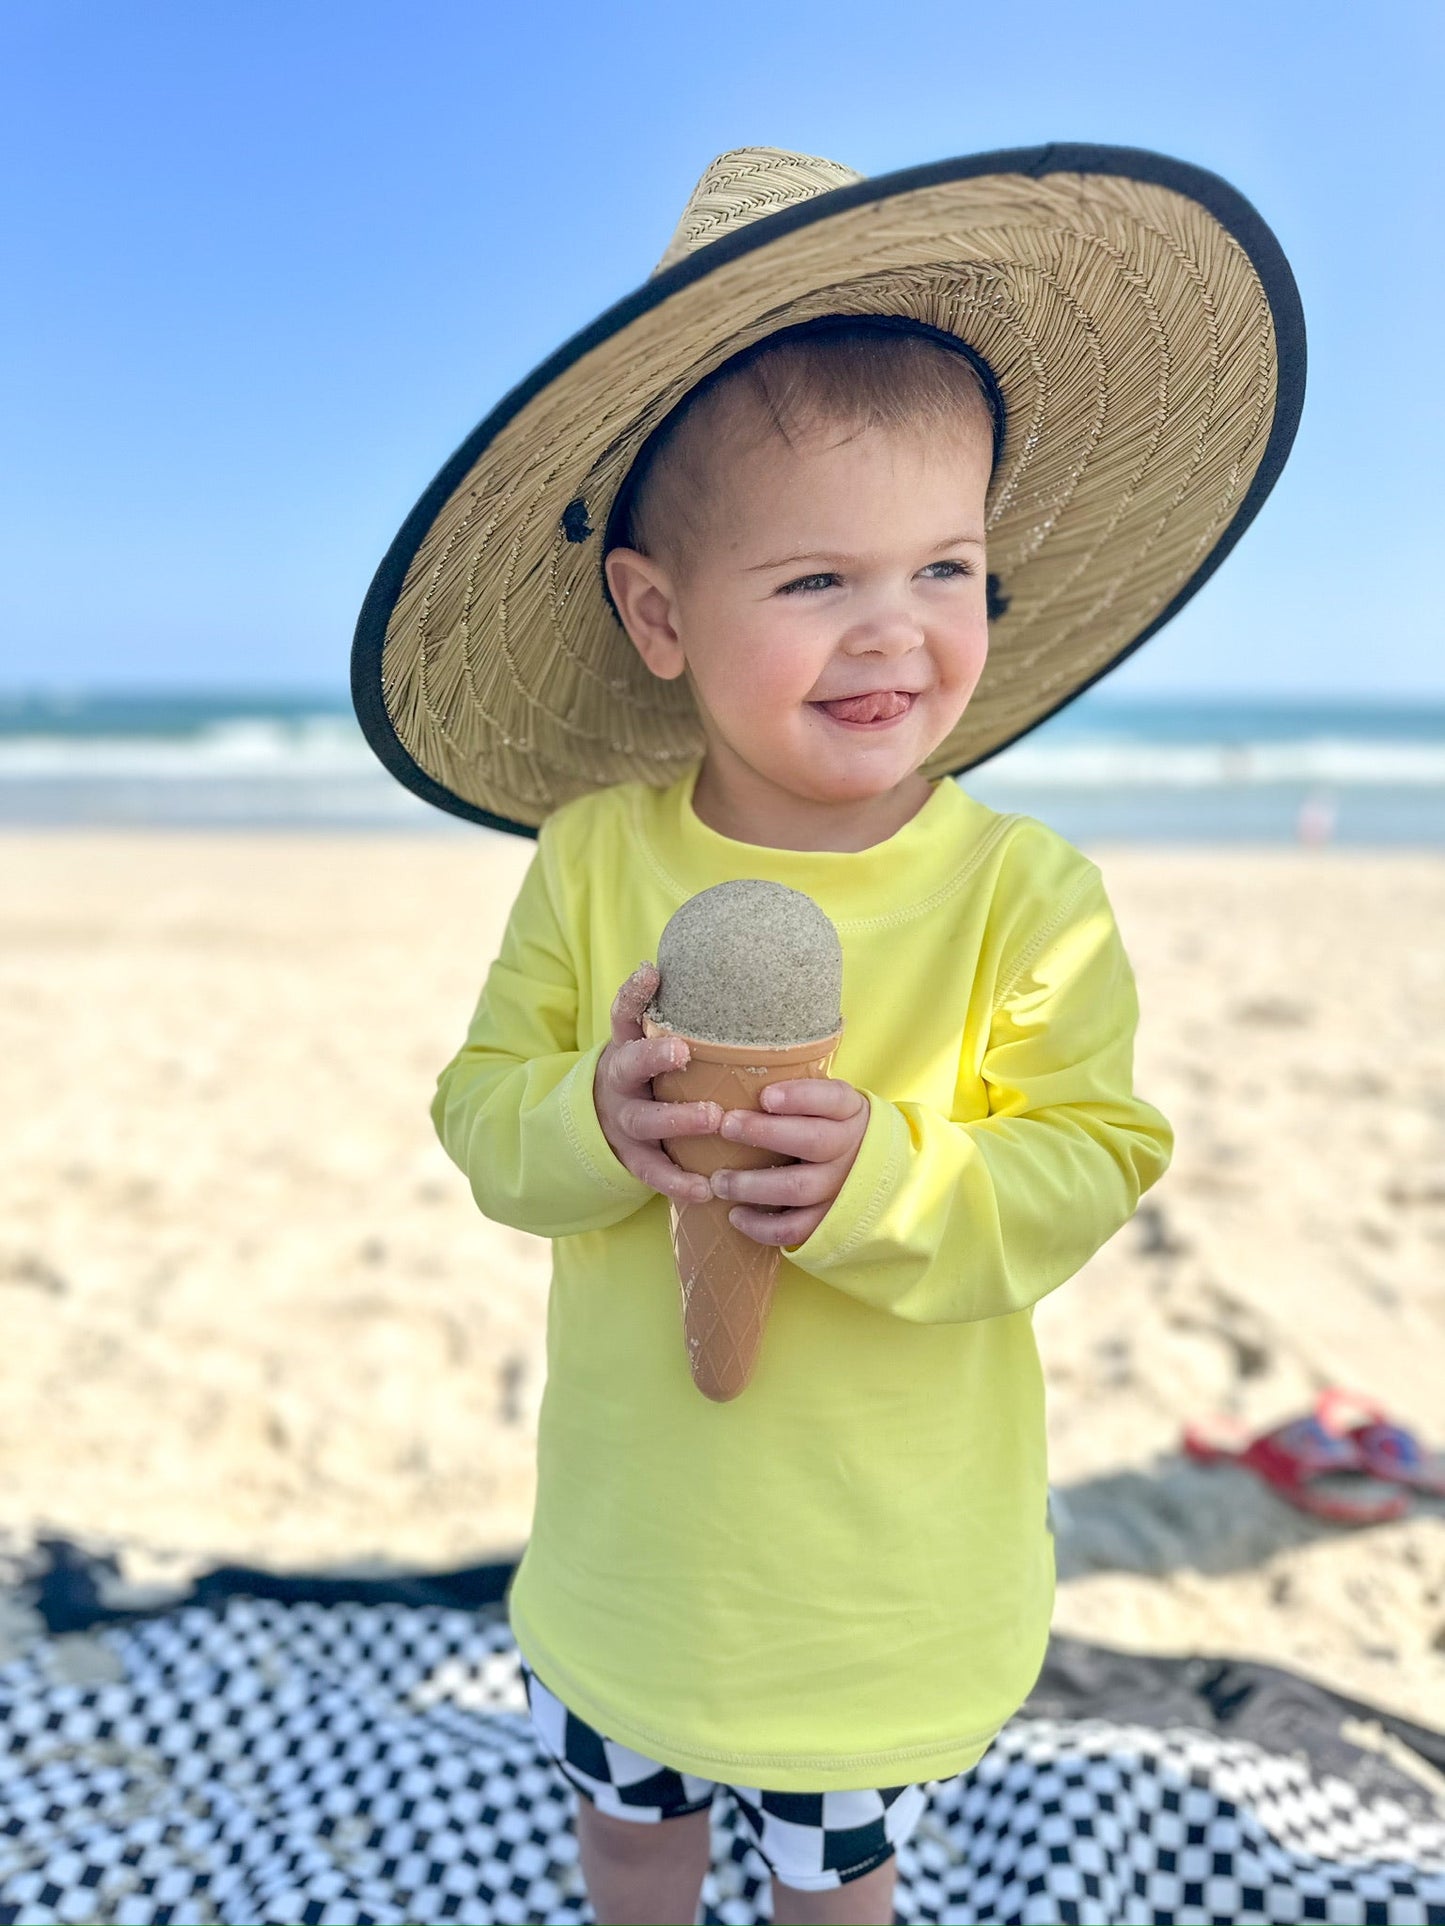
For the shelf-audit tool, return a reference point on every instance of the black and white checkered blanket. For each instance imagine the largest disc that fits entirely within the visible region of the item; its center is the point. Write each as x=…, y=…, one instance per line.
x=272, y=1749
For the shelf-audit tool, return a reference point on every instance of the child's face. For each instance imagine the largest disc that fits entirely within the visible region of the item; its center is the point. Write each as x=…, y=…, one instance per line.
x=831, y=571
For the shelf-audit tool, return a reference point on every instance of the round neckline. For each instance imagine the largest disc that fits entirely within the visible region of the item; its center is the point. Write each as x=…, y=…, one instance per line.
x=856, y=887
x=695, y=828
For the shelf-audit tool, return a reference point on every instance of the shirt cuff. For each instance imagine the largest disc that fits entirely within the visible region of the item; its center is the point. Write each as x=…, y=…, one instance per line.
x=851, y=1217
x=584, y=1131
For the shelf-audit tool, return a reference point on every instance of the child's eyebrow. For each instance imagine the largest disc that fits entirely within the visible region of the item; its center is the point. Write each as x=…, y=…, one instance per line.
x=829, y=555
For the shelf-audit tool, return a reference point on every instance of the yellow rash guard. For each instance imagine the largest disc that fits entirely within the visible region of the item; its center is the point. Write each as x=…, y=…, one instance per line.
x=844, y=1577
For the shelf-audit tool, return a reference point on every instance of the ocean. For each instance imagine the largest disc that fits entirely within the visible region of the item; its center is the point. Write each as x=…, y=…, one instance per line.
x=1107, y=769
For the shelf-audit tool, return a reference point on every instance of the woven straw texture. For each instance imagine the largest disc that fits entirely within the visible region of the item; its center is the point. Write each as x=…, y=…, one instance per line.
x=1133, y=344
x=727, y=1279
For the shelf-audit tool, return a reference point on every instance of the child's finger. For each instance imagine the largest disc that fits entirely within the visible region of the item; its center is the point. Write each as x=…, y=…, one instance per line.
x=642, y=1119
x=631, y=1000
x=655, y=1167
x=784, y=1187
x=819, y=1139
x=632, y=1066
x=777, y=1226
x=813, y=1097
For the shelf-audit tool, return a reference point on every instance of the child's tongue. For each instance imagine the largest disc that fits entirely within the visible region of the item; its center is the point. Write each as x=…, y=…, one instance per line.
x=881, y=706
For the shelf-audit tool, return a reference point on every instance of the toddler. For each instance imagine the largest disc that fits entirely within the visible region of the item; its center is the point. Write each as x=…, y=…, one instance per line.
x=709, y=598
x=835, y=1590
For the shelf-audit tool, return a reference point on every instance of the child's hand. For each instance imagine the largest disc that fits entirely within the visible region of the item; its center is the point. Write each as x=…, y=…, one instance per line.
x=818, y=1119
x=632, y=1121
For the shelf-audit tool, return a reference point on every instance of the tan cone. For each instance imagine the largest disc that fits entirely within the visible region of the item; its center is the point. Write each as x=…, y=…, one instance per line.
x=727, y=1279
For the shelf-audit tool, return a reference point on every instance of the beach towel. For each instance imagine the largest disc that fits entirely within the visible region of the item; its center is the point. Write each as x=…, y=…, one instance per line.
x=357, y=1751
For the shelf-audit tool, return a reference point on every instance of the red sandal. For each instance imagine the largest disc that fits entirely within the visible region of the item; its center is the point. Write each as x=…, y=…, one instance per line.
x=1307, y=1464
x=1386, y=1447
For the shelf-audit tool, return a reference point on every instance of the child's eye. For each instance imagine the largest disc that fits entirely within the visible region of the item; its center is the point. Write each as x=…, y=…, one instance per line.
x=807, y=583
x=950, y=569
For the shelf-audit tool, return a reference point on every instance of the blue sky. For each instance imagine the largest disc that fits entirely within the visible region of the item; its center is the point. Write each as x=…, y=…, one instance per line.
x=269, y=263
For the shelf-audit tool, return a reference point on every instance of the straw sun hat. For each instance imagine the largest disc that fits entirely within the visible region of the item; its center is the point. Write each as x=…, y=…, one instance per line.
x=1144, y=334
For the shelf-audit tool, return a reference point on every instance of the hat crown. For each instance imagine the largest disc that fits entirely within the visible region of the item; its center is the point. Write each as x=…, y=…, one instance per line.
x=745, y=184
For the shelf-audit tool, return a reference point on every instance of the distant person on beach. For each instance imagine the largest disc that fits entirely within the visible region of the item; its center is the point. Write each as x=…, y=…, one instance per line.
x=868, y=480
x=1315, y=823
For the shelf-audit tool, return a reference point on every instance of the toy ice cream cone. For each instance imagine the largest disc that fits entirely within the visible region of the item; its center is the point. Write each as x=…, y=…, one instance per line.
x=727, y=1279
x=760, y=961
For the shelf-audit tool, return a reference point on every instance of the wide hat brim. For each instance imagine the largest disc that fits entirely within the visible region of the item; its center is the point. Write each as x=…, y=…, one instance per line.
x=1144, y=330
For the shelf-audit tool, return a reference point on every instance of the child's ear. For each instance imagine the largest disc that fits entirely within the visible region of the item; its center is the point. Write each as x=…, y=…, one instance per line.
x=642, y=594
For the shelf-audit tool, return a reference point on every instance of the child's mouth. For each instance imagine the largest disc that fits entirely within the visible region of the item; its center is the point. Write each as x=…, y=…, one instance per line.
x=868, y=711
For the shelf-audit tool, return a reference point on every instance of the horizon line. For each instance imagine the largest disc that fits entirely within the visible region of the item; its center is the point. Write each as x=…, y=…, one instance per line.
x=339, y=695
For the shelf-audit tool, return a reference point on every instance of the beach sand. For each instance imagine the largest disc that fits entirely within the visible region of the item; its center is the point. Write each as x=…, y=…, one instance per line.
x=252, y=1314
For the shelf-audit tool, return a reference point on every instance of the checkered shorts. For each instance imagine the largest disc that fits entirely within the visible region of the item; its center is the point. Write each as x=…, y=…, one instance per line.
x=812, y=1840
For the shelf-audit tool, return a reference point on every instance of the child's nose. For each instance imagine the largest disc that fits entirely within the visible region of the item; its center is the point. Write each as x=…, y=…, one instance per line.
x=889, y=629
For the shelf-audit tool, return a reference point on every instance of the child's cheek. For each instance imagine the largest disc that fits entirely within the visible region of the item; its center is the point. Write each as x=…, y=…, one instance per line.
x=765, y=671
x=785, y=655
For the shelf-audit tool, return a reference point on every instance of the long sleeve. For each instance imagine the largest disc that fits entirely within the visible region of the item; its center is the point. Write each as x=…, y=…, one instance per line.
x=514, y=1108
x=944, y=1221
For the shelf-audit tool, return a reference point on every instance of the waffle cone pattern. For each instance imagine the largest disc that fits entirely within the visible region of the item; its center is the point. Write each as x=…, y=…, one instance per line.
x=727, y=1280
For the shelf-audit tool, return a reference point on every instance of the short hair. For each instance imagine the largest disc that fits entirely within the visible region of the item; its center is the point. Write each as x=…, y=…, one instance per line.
x=856, y=373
